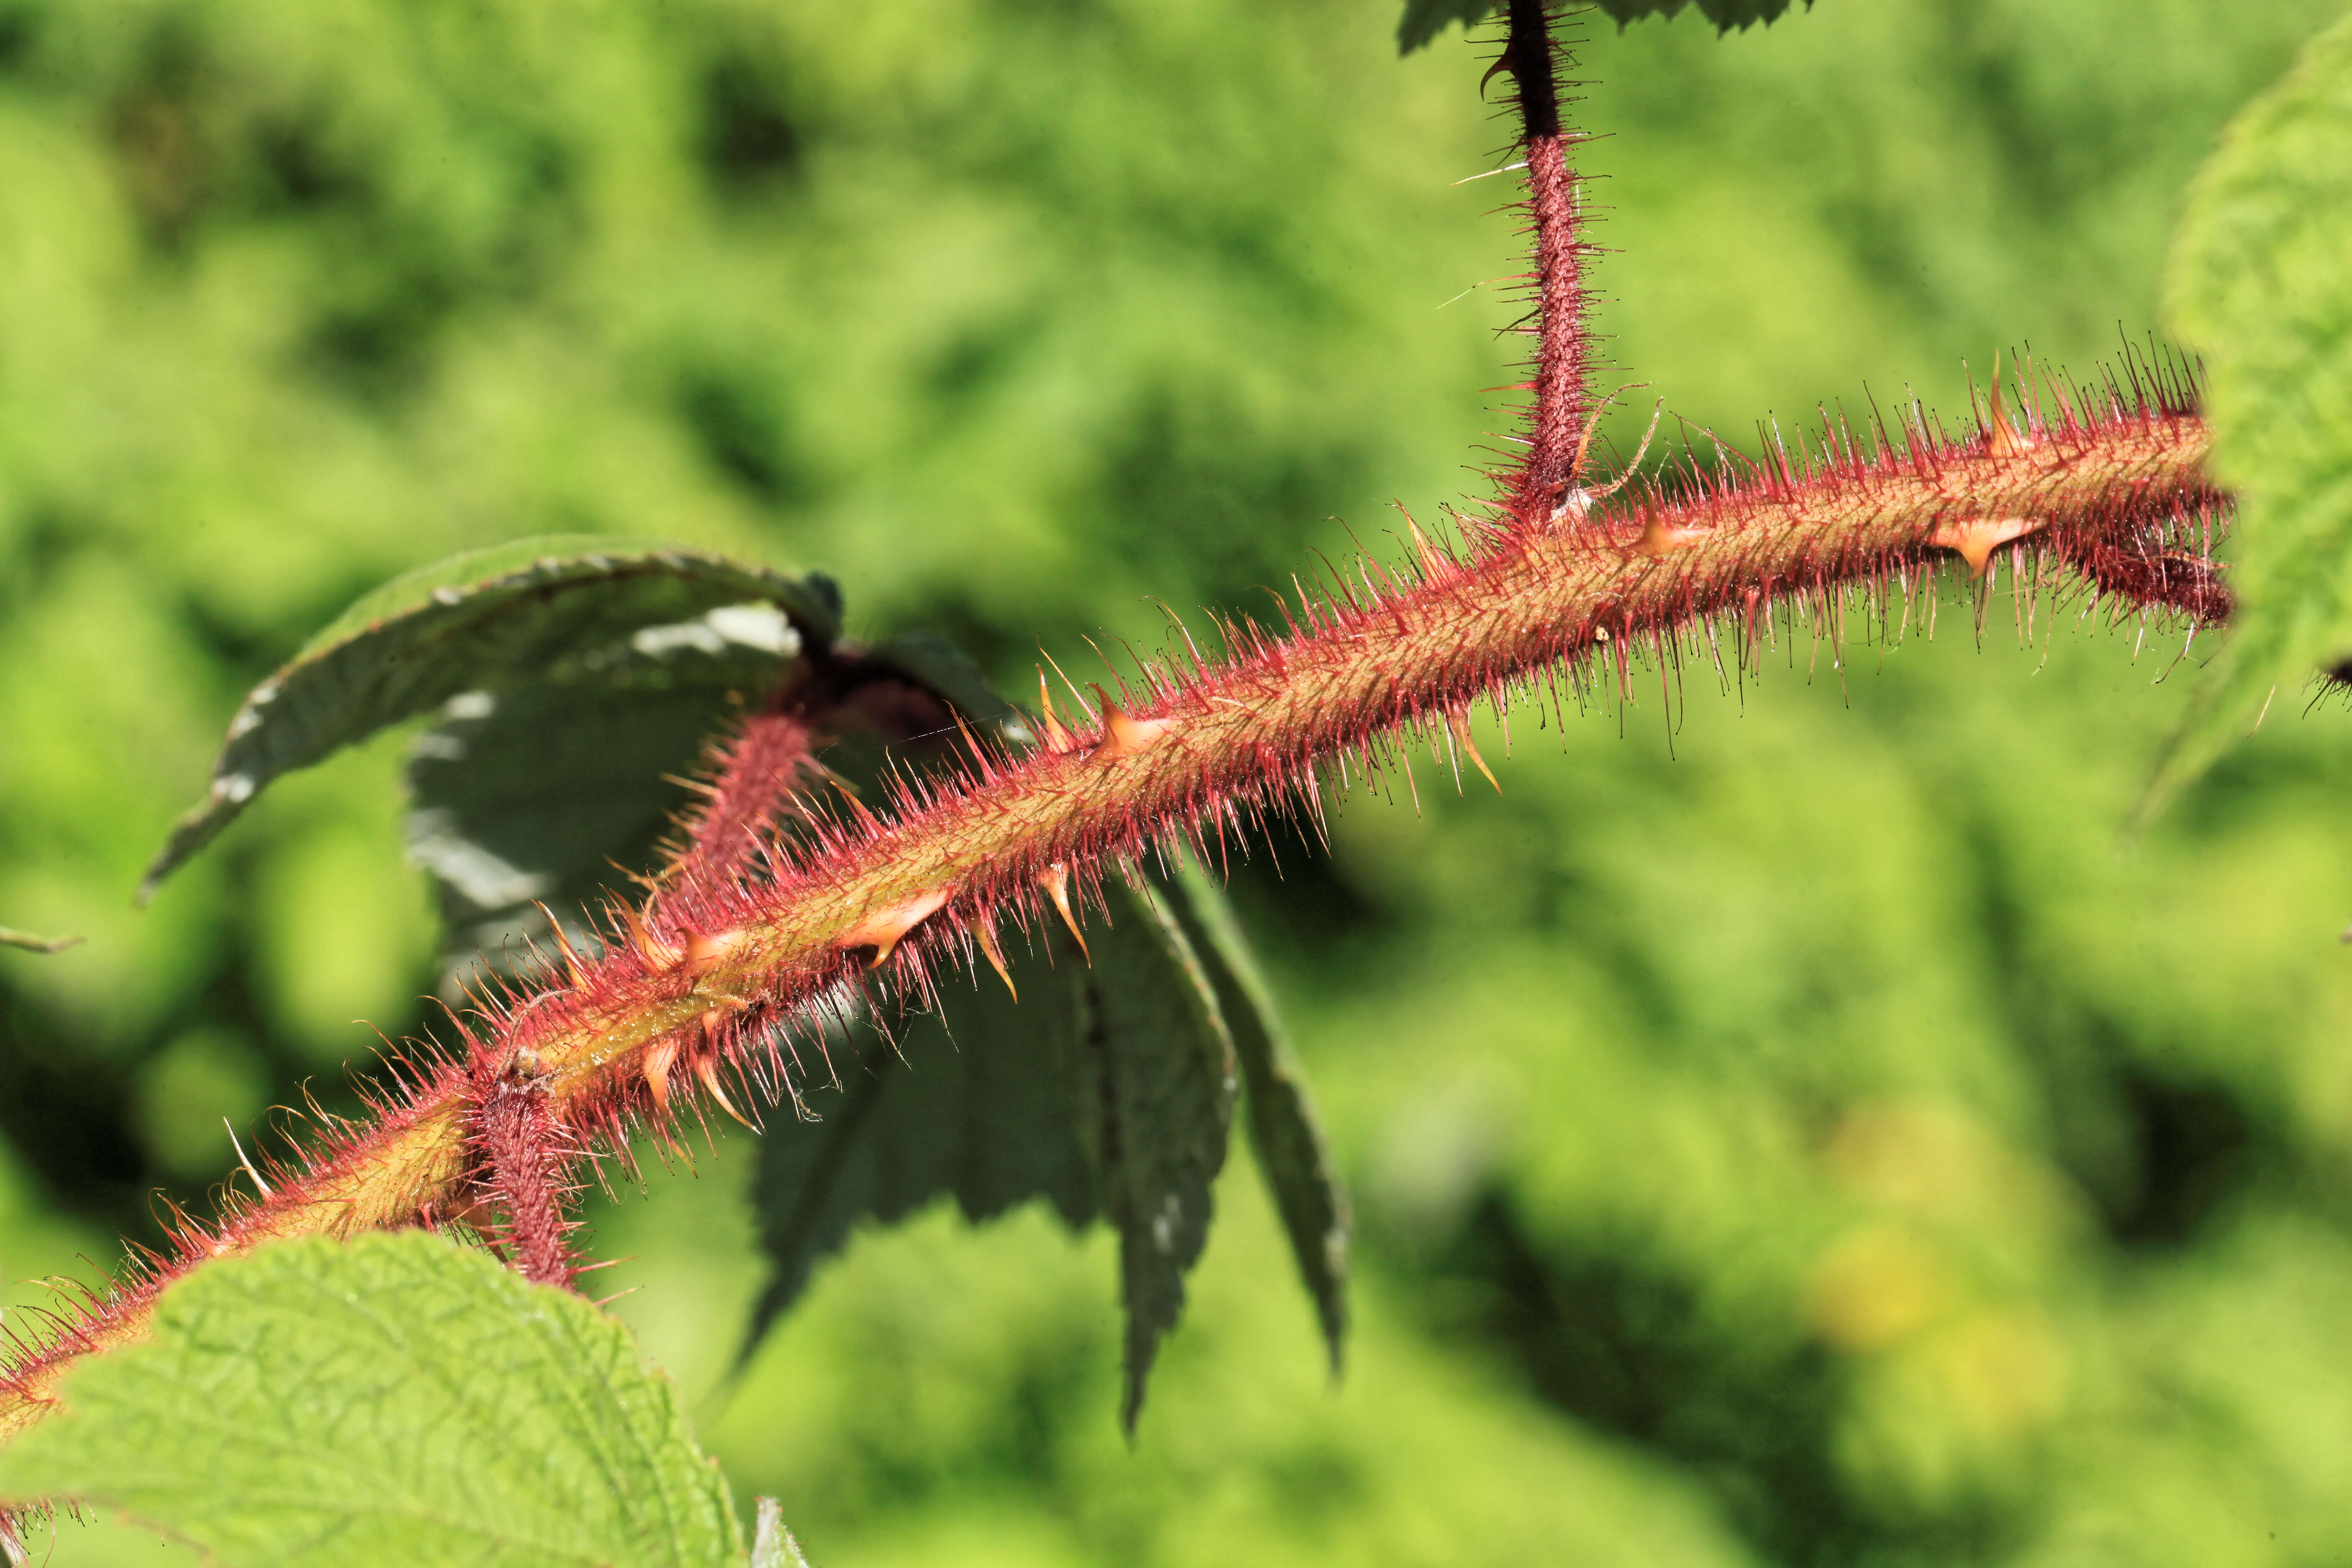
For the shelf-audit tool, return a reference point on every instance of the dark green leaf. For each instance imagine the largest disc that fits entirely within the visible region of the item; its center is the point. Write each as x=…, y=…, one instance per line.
x=1727, y=14
x=984, y=1099
x=484, y=621
x=2261, y=288
x=399, y=1399
x=1107, y=1089
x=1168, y=1068
x=1424, y=19
x=1283, y=1128
x=549, y=793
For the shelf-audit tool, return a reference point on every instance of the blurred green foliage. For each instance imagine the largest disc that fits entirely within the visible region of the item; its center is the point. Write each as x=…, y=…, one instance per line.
x=1814, y=1139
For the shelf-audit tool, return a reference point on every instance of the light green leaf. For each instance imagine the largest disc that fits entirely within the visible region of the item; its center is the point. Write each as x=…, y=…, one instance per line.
x=484, y=621
x=397, y=1400
x=1283, y=1126
x=2260, y=286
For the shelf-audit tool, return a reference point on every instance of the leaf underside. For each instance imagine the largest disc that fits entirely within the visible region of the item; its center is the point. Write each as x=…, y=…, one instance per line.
x=397, y=1399
x=485, y=621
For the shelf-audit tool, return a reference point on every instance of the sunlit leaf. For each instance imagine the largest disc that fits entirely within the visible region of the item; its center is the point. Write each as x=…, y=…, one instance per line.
x=400, y=1399
x=484, y=621
x=2260, y=286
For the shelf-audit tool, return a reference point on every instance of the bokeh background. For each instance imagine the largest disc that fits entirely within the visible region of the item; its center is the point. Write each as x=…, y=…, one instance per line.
x=1804, y=1131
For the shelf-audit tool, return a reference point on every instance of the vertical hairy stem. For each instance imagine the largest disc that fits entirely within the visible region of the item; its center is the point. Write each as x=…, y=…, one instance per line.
x=1548, y=467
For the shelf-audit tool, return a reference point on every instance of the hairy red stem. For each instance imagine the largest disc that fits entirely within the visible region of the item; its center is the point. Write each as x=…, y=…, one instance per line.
x=1541, y=484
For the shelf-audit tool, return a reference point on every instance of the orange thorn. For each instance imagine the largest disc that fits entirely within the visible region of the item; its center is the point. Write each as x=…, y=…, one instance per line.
x=707, y=1071
x=703, y=953
x=882, y=930
x=983, y=931
x=1057, y=883
x=1976, y=539
x=1460, y=729
x=658, y=1057
x=660, y=955
x=1123, y=736
x=1660, y=537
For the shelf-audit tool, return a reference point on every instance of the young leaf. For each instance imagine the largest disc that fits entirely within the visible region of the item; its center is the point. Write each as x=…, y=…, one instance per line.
x=2260, y=286
x=1283, y=1128
x=400, y=1399
x=482, y=621
x=1424, y=19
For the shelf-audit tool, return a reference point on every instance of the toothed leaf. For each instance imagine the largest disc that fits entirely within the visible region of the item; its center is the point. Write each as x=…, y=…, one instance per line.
x=1424, y=19
x=484, y=621
x=985, y=1100
x=1284, y=1129
x=1107, y=1090
x=1727, y=14
x=2260, y=287
x=1168, y=1066
x=398, y=1399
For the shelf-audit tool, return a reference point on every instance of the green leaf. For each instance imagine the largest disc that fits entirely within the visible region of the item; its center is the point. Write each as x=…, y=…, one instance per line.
x=484, y=621
x=987, y=1101
x=1424, y=19
x=558, y=792
x=1168, y=1067
x=1284, y=1129
x=2260, y=286
x=551, y=794
x=1727, y=14
x=1107, y=1089
x=772, y=1545
x=399, y=1399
